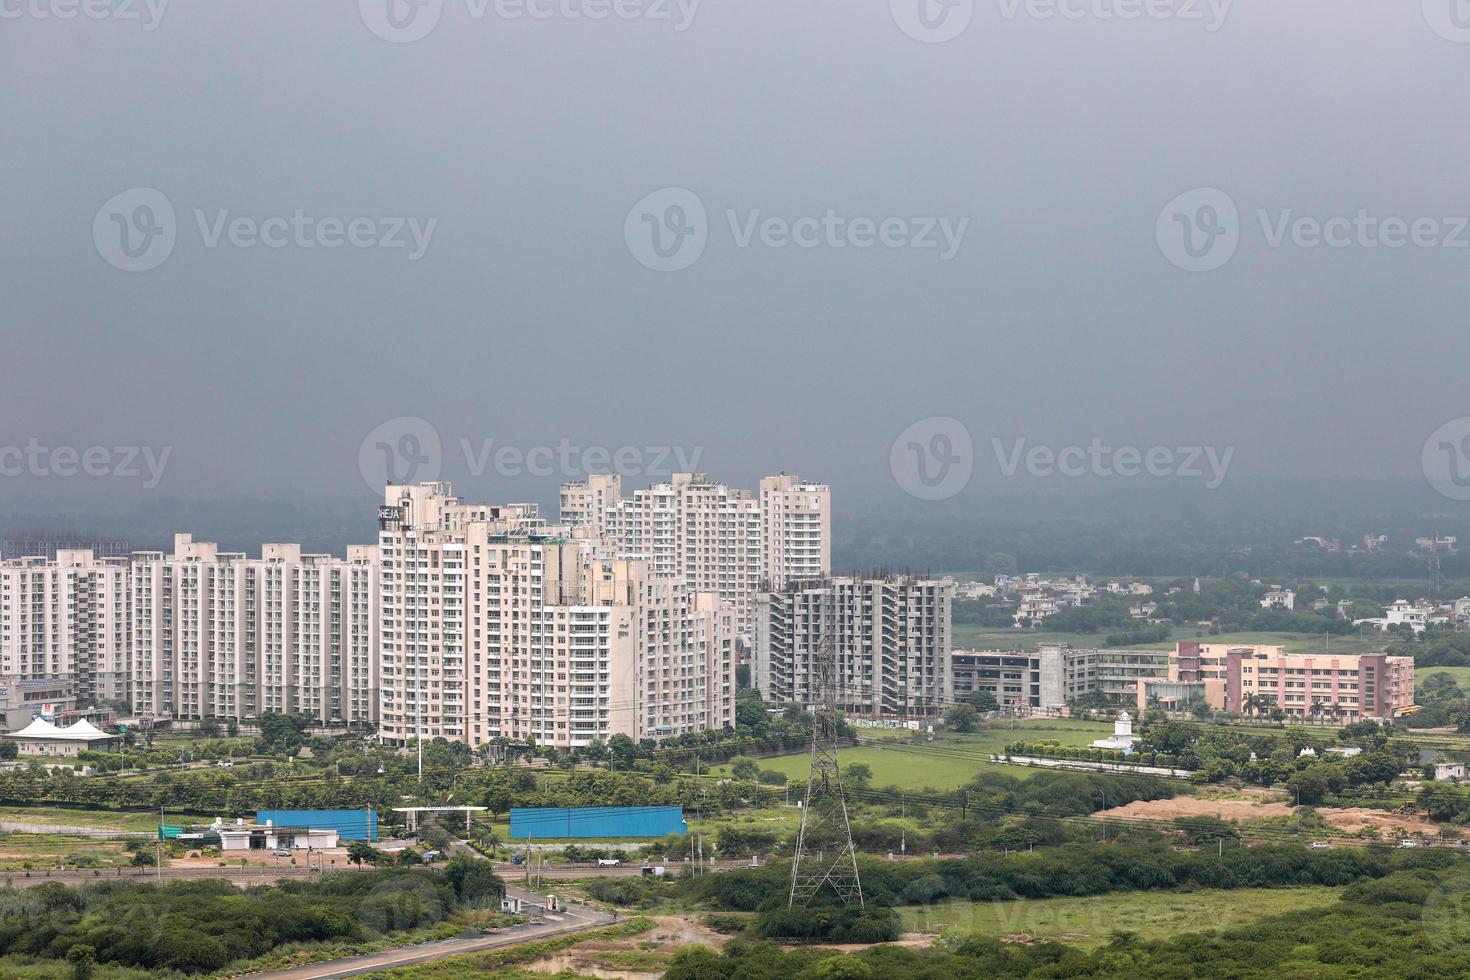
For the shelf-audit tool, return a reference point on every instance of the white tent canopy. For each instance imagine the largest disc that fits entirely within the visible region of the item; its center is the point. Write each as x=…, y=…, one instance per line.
x=82, y=731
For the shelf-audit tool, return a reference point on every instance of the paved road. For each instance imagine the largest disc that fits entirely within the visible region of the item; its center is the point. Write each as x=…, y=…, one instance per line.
x=573, y=918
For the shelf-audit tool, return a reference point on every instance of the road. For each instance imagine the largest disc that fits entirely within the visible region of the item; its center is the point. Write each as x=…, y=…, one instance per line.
x=572, y=918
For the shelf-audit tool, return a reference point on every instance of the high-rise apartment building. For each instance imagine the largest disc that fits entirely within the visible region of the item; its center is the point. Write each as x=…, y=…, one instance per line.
x=66, y=617
x=892, y=641
x=217, y=634
x=717, y=539
x=497, y=625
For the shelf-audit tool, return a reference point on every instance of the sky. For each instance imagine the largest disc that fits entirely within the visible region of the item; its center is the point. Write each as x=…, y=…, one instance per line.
x=915, y=249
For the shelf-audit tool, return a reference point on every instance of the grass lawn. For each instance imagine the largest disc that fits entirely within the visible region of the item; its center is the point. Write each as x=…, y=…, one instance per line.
x=1088, y=922
x=948, y=762
x=64, y=817
x=1460, y=674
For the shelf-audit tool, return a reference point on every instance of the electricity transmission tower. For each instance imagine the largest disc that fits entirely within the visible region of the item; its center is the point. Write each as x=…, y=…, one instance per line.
x=824, y=851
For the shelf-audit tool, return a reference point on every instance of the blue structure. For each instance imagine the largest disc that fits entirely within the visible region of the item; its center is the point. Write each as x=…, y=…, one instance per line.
x=349, y=824
x=542, y=823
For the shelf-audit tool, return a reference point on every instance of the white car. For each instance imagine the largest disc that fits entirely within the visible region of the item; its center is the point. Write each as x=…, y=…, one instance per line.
x=1318, y=845
x=1408, y=843
x=609, y=862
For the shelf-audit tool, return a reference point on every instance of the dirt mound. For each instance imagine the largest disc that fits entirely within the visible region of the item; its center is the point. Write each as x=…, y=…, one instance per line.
x=1190, y=806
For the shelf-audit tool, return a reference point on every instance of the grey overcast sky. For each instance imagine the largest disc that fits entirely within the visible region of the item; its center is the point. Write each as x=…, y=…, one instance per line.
x=530, y=153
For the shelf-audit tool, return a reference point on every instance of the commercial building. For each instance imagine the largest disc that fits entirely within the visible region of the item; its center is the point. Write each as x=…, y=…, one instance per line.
x=66, y=617
x=24, y=699
x=218, y=635
x=892, y=639
x=360, y=823
x=727, y=541
x=41, y=737
x=242, y=836
x=497, y=625
x=1056, y=675
x=1112, y=673
x=1303, y=685
x=1012, y=678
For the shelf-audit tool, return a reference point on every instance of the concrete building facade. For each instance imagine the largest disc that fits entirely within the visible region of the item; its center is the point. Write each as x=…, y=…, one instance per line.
x=1373, y=686
x=495, y=625
x=892, y=638
x=718, y=539
x=217, y=634
x=66, y=618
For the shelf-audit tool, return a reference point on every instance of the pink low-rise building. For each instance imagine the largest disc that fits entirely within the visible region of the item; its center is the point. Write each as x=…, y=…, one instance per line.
x=1366, y=686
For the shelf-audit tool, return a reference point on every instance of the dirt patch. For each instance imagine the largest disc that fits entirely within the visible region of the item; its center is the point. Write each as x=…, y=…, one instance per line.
x=1189, y=806
x=1348, y=820
x=598, y=957
x=1356, y=818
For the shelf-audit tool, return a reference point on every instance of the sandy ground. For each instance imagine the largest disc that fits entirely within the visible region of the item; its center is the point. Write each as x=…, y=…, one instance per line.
x=1345, y=820
x=671, y=934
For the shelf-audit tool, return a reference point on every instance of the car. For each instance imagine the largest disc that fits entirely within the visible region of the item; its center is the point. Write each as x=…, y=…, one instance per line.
x=283, y=852
x=1408, y=843
x=1318, y=845
x=609, y=862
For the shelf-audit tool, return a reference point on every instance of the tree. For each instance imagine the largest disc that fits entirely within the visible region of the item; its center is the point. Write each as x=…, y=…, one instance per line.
x=360, y=852
x=983, y=701
x=282, y=732
x=9, y=750
x=961, y=718
x=473, y=880
x=1309, y=785
x=742, y=767
x=623, y=751
x=209, y=728
x=859, y=774
x=750, y=710
x=83, y=960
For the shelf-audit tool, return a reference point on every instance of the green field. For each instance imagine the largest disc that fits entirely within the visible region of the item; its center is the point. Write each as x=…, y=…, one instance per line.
x=1460, y=674
x=948, y=762
x=971, y=637
x=65, y=817
x=23, y=852
x=1088, y=922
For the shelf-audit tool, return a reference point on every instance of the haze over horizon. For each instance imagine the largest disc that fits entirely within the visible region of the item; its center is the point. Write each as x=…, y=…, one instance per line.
x=512, y=158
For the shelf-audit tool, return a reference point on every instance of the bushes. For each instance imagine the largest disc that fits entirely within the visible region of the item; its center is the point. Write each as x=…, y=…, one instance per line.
x=741, y=842
x=1386, y=927
x=627, y=892
x=200, y=926
x=846, y=924
x=1077, y=869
